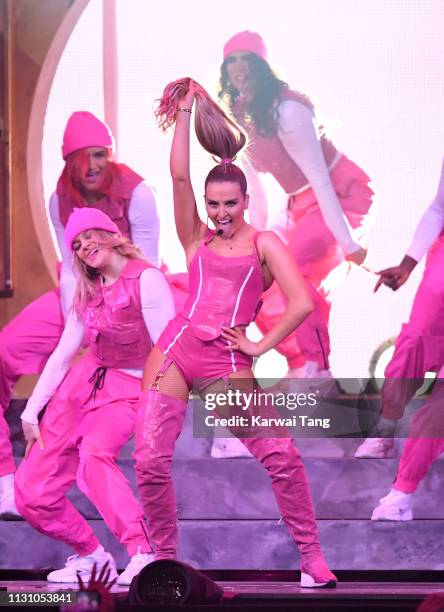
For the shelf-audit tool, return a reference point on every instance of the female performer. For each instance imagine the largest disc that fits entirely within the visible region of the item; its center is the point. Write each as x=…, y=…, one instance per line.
x=90, y=178
x=327, y=193
x=206, y=345
x=121, y=306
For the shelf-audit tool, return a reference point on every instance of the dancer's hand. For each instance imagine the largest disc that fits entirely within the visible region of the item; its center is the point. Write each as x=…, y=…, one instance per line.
x=357, y=257
x=395, y=277
x=188, y=99
x=32, y=434
x=239, y=341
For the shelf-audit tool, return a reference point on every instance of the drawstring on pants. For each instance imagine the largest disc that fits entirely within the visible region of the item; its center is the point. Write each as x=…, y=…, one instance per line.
x=97, y=380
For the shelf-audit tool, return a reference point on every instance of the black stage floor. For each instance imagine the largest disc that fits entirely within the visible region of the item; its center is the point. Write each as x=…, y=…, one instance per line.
x=270, y=591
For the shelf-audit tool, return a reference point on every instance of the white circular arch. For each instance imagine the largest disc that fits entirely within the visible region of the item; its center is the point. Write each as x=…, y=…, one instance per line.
x=35, y=133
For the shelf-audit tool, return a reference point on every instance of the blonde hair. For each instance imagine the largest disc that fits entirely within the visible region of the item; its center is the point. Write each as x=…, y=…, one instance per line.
x=216, y=132
x=88, y=278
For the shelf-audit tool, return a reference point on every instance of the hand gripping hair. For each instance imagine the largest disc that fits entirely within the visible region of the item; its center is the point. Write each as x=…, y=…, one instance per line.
x=216, y=132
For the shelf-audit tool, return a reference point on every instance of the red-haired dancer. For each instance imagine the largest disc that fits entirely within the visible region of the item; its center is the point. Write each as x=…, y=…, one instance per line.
x=121, y=306
x=205, y=345
x=89, y=178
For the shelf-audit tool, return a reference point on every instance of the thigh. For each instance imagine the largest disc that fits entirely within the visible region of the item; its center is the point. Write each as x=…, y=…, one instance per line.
x=231, y=390
x=252, y=409
x=53, y=467
x=33, y=334
x=162, y=373
x=433, y=277
x=313, y=246
x=106, y=430
x=427, y=314
x=108, y=420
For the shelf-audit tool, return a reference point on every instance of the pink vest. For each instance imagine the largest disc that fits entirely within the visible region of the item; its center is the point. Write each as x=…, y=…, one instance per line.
x=268, y=154
x=116, y=331
x=115, y=206
x=223, y=291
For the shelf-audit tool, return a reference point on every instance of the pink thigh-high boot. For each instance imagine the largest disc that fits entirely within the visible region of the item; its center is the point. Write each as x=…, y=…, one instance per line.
x=420, y=345
x=26, y=342
x=284, y=465
x=83, y=438
x=159, y=423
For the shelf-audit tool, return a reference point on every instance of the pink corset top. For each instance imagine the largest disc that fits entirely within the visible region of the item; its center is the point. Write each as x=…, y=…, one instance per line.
x=223, y=291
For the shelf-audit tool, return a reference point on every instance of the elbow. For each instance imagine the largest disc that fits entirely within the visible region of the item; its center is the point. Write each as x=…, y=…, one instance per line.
x=303, y=306
x=179, y=177
x=306, y=307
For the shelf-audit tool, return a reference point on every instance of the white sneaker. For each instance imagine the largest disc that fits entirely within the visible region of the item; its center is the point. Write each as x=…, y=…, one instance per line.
x=396, y=506
x=224, y=448
x=84, y=566
x=134, y=567
x=8, y=509
x=376, y=448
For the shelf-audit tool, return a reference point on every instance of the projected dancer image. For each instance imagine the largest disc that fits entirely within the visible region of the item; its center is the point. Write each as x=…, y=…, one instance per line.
x=122, y=304
x=328, y=195
x=420, y=345
x=90, y=177
x=205, y=345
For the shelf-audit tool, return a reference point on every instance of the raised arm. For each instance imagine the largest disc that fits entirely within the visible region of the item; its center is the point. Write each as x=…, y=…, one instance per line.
x=299, y=136
x=176, y=107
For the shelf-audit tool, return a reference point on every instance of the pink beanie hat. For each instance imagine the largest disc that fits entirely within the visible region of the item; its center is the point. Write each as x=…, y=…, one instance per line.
x=246, y=41
x=83, y=219
x=85, y=130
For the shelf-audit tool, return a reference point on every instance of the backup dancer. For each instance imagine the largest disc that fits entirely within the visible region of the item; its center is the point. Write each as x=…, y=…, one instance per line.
x=424, y=445
x=89, y=178
x=327, y=193
x=419, y=347
x=205, y=344
x=121, y=306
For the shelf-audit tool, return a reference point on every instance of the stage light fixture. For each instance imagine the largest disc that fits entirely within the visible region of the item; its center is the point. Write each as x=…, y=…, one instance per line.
x=171, y=582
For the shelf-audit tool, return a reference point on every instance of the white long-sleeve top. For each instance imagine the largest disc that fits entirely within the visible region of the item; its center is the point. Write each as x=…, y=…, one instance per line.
x=144, y=225
x=299, y=134
x=431, y=224
x=157, y=309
